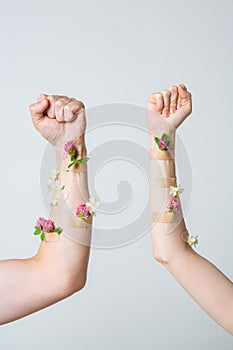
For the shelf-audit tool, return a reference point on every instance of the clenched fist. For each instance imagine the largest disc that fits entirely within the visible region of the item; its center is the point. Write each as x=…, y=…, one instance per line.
x=174, y=105
x=60, y=119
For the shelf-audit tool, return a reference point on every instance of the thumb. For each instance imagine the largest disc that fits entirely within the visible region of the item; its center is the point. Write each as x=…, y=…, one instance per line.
x=38, y=108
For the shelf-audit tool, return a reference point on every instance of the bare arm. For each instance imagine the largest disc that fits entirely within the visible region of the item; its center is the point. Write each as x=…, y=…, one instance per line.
x=59, y=268
x=208, y=286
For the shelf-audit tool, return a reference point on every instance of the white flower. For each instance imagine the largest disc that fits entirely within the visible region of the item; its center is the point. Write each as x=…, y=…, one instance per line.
x=93, y=204
x=175, y=191
x=54, y=174
x=54, y=202
x=192, y=241
x=57, y=185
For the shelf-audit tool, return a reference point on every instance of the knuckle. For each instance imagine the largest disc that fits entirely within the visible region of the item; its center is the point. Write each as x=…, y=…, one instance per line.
x=52, y=98
x=81, y=104
x=173, y=89
x=58, y=103
x=166, y=93
x=151, y=96
x=158, y=95
x=67, y=107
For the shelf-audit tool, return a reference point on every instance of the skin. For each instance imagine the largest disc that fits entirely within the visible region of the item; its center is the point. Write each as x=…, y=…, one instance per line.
x=58, y=269
x=208, y=286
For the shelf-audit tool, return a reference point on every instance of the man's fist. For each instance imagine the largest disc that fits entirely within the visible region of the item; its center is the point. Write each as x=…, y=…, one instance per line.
x=59, y=119
x=174, y=104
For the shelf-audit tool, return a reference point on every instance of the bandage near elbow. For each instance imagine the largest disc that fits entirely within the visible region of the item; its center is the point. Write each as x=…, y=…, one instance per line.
x=46, y=230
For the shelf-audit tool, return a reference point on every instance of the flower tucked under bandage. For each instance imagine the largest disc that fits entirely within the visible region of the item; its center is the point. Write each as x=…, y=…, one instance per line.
x=83, y=214
x=174, y=203
x=84, y=210
x=163, y=151
x=47, y=230
x=173, y=214
x=163, y=143
x=192, y=241
x=70, y=150
x=175, y=190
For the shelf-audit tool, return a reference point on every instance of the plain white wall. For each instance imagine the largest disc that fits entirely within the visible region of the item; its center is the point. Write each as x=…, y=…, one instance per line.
x=119, y=51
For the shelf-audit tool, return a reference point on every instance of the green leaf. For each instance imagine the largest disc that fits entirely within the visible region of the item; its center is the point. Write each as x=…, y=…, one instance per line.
x=63, y=187
x=58, y=230
x=73, y=158
x=164, y=137
x=71, y=164
x=169, y=143
x=82, y=160
x=42, y=236
x=37, y=231
x=157, y=141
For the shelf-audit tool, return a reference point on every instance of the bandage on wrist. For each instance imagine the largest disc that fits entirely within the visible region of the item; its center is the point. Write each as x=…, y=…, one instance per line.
x=74, y=221
x=165, y=182
x=161, y=154
x=166, y=217
x=76, y=168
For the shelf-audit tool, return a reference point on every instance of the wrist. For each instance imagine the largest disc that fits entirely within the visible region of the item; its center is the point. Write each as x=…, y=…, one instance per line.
x=158, y=133
x=62, y=156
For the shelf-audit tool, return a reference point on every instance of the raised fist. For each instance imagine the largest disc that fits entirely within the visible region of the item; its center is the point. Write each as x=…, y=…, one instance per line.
x=174, y=105
x=59, y=119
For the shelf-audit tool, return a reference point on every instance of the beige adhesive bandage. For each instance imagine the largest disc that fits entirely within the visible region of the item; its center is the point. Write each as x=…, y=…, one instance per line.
x=166, y=217
x=160, y=155
x=74, y=221
x=51, y=237
x=76, y=168
x=165, y=182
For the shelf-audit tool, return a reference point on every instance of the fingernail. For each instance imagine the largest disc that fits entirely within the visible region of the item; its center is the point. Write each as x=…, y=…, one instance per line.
x=172, y=109
x=164, y=112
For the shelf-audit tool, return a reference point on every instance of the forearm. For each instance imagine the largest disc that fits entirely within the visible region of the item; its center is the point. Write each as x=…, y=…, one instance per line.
x=168, y=239
x=208, y=286
x=71, y=253
x=58, y=269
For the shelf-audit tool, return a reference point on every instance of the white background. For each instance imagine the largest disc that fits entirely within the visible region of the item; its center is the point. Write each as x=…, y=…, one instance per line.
x=119, y=51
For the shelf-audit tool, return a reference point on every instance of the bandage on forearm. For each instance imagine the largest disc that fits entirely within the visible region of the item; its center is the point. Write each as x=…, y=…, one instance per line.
x=161, y=154
x=165, y=182
x=76, y=168
x=167, y=217
x=74, y=221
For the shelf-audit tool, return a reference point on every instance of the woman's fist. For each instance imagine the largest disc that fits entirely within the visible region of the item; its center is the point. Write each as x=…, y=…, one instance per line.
x=174, y=104
x=59, y=119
